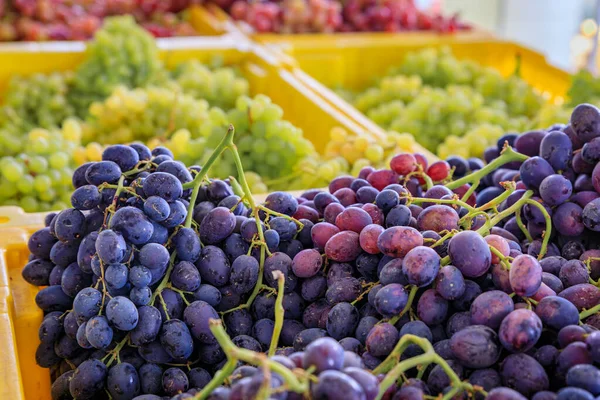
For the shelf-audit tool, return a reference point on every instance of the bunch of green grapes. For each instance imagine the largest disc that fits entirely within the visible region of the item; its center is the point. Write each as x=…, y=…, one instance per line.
x=38, y=178
x=389, y=89
x=37, y=101
x=472, y=143
x=440, y=68
x=128, y=115
x=122, y=53
x=438, y=113
x=220, y=86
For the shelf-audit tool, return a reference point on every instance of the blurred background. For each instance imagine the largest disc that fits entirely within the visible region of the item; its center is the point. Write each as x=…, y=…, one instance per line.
x=562, y=30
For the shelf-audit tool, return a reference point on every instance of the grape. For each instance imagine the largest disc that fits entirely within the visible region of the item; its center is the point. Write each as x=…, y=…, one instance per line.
x=98, y=333
x=174, y=381
x=503, y=393
x=555, y=189
x=524, y=374
x=148, y=326
x=438, y=218
x=123, y=381
x=583, y=295
x=520, y=330
x=353, y=219
x=213, y=266
x=432, y=308
x=584, y=121
x=322, y=232
x=342, y=320
x=343, y=246
x=450, y=283
x=307, y=263
x=37, y=272
x=557, y=149
x=88, y=379
x=391, y=300
x=475, y=346
x=343, y=290
x=490, y=308
x=470, y=253
x=132, y=224
x=381, y=339
x=534, y=170
x=574, y=354
x=185, y=276
x=122, y=313
x=421, y=265
x=525, y=275
x=586, y=377
x=244, y=274
x=398, y=241
x=438, y=379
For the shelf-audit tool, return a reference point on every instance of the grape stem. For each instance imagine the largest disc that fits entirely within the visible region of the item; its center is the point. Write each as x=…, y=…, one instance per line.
x=394, y=369
x=411, y=298
x=507, y=155
x=279, y=311
x=548, y=231
x=588, y=313
x=235, y=354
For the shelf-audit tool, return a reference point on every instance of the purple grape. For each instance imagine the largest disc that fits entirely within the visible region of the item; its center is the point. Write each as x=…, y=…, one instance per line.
x=555, y=189
x=534, y=170
x=450, y=283
x=490, y=308
x=525, y=275
x=381, y=340
x=421, y=265
x=335, y=385
x=432, y=308
x=585, y=121
x=323, y=354
x=470, y=253
x=523, y=374
x=520, y=330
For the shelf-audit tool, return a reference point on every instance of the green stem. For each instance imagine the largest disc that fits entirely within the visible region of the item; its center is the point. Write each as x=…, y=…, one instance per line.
x=411, y=298
x=522, y=226
x=226, y=142
x=470, y=191
x=218, y=379
x=254, y=358
x=114, y=354
x=548, y=231
x=279, y=311
x=588, y=313
x=417, y=200
x=508, y=155
x=509, y=211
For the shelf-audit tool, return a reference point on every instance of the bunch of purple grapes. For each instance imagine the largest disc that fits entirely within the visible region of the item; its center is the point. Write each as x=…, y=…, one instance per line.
x=453, y=279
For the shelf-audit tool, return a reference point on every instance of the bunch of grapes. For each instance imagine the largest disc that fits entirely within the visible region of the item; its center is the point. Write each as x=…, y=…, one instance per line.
x=144, y=113
x=289, y=16
x=220, y=86
x=584, y=88
x=439, y=98
x=160, y=282
x=37, y=177
x=317, y=16
x=37, y=101
x=120, y=54
x=41, y=20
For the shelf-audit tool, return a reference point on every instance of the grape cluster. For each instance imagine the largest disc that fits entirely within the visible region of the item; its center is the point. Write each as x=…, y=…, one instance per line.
x=120, y=54
x=439, y=99
x=447, y=278
x=41, y=20
x=318, y=16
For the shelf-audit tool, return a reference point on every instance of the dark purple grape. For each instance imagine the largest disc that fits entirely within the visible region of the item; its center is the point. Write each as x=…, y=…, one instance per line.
x=213, y=265
x=572, y=393
x=520, y=330
x=438, y=380
x=308, y=336
x=556, y=148
x=381, y=340
x=476, y=346
x=573, y=272
x=555, y=189
x=524, y=374
x=486, y=378
x=591, y=215
x=503, y=393
x=174, y=381
x=133, y=224
x=585, y=121
x=574, y=354
x=391, y=300
x=282, y=202
x=450, y=283
x=334, y=385
x=88, y=379
x=342, y=320
x=323, y=354
x=586, y=377
x=490, y=308
x=472, y=290
x=123, y=381
x=367, y=381
x=307, y=263
x=470, y=253
x=421, y=265
x=534, y=170
x=556, y=312
x=343, y=290
x=432, y=308
x=529, y=142
x=583, y=295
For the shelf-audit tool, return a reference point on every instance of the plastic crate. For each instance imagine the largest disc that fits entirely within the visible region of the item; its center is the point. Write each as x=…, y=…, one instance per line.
x=354, y=64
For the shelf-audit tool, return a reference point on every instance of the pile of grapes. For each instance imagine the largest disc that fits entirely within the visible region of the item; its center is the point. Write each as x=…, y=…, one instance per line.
x=453, y=106
x=454, y=279
x=319, y=16
x=41, y=20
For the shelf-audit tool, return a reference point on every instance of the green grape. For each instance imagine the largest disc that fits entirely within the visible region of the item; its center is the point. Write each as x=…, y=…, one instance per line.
x=59, y=160
x=29, y=204
x=11, y=169
x=25, y=184
x=8, y=189
x=42, y=183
